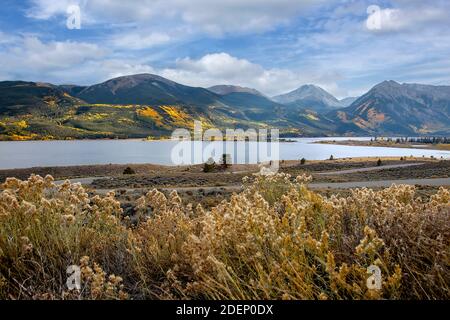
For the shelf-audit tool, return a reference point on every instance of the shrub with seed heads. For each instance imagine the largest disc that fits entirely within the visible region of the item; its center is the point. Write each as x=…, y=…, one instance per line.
x=274, y=240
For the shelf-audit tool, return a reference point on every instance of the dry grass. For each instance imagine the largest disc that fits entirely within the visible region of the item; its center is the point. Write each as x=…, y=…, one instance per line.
x=274, y=240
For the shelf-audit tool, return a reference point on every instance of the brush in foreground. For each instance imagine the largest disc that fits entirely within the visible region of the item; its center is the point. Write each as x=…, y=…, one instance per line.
x=275, y=240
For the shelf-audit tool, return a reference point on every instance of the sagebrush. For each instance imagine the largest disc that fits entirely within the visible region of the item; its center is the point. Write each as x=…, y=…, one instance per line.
x=275, y=240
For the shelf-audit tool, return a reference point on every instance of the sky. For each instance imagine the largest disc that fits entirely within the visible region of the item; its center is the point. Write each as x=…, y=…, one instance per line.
x=275, y=46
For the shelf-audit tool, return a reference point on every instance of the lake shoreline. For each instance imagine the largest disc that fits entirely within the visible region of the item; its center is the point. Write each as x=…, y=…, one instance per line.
x=156, y=139
x=29, y=154
x=101, y=170
x=385, y=144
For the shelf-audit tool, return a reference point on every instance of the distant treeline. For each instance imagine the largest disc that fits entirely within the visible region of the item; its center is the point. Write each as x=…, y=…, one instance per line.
x=426, y=140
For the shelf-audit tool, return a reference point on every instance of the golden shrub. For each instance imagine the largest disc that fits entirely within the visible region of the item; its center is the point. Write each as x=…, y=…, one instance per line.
x=275, y=240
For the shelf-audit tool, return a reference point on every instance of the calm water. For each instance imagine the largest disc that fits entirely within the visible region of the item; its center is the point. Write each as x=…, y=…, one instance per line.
x=60, y=153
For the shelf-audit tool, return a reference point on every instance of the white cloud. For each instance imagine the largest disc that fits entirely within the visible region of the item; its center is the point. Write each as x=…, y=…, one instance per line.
x=412, y=34
x=117, y=67
x=29, y=57
x=219, y=65
x=222, y=68
x=56, y=54
x=409, y=18
x=214, y=17
x=104, y=70
x=46, y=9
x=84, y=63
x=7, y=38
x=332, y=48
x=137, y=41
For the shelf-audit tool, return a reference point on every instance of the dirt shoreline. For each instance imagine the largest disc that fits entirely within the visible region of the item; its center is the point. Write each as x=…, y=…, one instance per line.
x=160, y=176
x=102, y=170
x=386, y=144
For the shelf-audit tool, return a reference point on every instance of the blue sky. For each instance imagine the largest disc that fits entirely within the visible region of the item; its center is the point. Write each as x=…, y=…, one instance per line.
x=272, y=45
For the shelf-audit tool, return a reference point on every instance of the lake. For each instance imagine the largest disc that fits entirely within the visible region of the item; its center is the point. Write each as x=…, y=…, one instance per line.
x=25, y=154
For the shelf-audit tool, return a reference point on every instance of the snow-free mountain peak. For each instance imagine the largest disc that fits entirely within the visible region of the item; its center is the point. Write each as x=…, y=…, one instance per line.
x=309, y=96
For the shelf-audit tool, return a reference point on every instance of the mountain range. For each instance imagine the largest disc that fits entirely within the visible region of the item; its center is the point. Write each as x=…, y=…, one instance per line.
x=394, y=108
x=149, y=105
